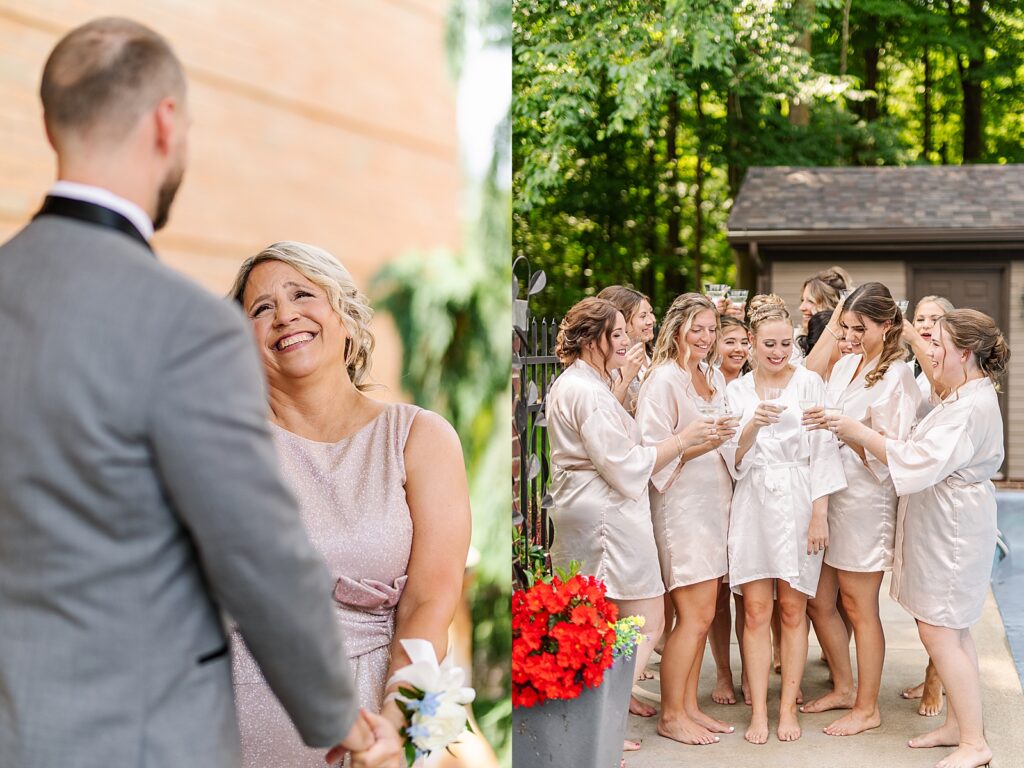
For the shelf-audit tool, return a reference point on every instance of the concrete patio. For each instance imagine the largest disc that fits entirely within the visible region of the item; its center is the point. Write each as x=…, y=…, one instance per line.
x=885, y=746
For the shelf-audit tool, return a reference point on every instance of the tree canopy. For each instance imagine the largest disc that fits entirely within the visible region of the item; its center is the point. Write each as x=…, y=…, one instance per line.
x=634, y=121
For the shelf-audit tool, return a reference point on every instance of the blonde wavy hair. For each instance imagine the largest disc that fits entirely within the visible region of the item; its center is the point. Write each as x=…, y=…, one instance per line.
x=352, y=306
x=677, y=322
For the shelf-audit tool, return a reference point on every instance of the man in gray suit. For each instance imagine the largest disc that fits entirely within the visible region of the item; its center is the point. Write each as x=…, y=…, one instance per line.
x=139, y=491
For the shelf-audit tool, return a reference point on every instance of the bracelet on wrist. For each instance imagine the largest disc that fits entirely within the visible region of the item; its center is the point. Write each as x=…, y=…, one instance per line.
x=835, y=335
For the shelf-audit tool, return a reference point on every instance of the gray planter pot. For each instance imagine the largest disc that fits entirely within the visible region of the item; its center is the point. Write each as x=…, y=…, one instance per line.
x=585, y=732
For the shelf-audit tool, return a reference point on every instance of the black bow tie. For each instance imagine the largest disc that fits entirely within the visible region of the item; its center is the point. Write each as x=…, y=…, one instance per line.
x=91, y=213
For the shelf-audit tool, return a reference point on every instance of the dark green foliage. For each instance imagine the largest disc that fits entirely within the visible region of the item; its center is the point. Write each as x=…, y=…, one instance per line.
x=634, y=122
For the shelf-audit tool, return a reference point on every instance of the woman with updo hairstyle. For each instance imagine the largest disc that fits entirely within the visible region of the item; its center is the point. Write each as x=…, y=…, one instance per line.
x=917, y=333
x=381, y=487
x=821, y=293
x=816, y=327
x=947, y=530
x=778, y=527
x=689, y=503
x=636, y=308
x=601, y=469
x=876, y=387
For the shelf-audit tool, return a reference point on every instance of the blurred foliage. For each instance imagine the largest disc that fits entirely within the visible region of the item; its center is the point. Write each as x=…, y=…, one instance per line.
x=453, y=312
x=634, y=121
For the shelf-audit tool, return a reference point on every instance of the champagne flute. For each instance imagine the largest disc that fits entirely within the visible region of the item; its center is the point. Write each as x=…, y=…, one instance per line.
x=833, y=408
x=731, y=418
x=904, y=305
x=772, y=395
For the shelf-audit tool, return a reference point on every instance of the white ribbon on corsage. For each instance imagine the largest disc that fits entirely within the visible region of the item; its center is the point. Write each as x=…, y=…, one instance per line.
x=436, y=707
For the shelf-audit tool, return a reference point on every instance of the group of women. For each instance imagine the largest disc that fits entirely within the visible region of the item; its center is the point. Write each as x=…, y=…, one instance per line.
x=792, y=468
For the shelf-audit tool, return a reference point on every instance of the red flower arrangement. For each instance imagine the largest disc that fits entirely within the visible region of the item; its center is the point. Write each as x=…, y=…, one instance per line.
x=563, y=637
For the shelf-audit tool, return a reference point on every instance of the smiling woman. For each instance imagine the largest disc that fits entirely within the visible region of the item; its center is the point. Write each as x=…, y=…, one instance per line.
x=381, y=488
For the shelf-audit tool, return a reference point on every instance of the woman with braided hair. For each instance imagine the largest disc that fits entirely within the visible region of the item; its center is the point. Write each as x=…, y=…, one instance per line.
x=947, y=526
x=877, y=388
x=778, y=527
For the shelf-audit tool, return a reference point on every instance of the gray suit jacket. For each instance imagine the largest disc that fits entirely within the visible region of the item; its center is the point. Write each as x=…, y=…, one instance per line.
x=139, y=494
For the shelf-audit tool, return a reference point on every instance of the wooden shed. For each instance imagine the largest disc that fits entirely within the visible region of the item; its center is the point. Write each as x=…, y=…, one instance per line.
x=954, y=231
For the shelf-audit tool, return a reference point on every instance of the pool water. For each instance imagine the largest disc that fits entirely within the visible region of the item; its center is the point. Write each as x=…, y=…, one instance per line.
x=1008, y=572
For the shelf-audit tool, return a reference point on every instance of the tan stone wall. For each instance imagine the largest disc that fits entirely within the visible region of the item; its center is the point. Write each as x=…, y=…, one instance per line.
x=331, y=123
x=788, y=277
x=1015, y=393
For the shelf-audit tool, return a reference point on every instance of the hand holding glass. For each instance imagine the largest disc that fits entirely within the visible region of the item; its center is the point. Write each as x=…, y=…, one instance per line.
x=771, y=397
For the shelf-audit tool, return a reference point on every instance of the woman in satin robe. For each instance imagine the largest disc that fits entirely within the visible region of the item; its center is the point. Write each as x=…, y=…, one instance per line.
x=779, y=519
x=636, y=308
x=918, y=335
x=947, y=530
x=733, y=362
x=600, y=470
x=874, y=386
x=689, y=504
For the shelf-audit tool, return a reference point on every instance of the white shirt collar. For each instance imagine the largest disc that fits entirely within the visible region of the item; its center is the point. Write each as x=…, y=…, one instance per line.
x=90, y=194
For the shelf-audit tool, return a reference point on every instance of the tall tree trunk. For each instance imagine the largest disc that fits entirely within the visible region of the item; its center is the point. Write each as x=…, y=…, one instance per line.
x=799, y=113
x=651, y=233
x=973, y=126
x=926, y=141
x=871, y=56
x=674, y=283
x=846, y=38
x=746, y=270
x=970, y=78
x=698, y=197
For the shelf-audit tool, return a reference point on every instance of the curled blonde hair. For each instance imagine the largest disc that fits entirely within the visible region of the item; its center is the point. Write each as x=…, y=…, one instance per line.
x=677, y=321
x=588, y=320
x=323, y=269
x=940, y=301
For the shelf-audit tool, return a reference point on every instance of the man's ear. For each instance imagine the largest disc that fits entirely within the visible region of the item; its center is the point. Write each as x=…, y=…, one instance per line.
x=166, y=125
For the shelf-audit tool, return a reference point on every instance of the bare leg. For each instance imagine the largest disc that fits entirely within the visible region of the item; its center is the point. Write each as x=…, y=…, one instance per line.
x=793, y=613
x=757, y=648
x=695, y=608
x=652, y=611
x=835, y=644
x=860, y=596
x=740, y=620
x=956, y=660
x=718, y=639
x=931, y=694
x=776, y=637
x=668, y=621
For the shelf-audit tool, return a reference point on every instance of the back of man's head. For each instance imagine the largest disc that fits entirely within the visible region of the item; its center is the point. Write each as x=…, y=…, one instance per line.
x=103, y=76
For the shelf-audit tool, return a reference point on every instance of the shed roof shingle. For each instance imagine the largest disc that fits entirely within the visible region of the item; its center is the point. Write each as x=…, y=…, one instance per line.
x=968, y=197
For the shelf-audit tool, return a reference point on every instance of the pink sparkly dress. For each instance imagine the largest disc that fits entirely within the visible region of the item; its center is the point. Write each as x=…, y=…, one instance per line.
x=352, y=499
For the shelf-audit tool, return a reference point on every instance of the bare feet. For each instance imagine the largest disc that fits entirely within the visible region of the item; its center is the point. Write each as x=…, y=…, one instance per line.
x=776, y=658
x=967, y=756
x=645, y=675
x=637, y=707
x=799, y=695
x=913, y=693
x=685, y=730
x=854, y=722
x=746, y=691
x=789, y=725
x=757, y=733
x=724, y=692
x=831, y=700
x=946, y=735
x=629, y=745
x=931, y=697
x=712, y=724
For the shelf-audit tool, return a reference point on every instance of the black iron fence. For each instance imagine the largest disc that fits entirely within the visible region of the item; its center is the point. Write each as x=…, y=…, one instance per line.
x=534, y=368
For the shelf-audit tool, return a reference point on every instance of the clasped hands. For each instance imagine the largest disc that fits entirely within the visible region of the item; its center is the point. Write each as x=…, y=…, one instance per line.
x=373, y=742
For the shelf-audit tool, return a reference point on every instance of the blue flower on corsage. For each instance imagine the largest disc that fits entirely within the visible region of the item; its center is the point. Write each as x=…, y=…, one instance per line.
x=432, y=699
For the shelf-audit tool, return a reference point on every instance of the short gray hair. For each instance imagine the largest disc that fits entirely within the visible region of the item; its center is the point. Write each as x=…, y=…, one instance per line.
x=323, y=269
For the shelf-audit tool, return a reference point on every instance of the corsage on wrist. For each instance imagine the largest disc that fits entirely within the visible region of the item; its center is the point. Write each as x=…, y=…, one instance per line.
x=432, y=699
